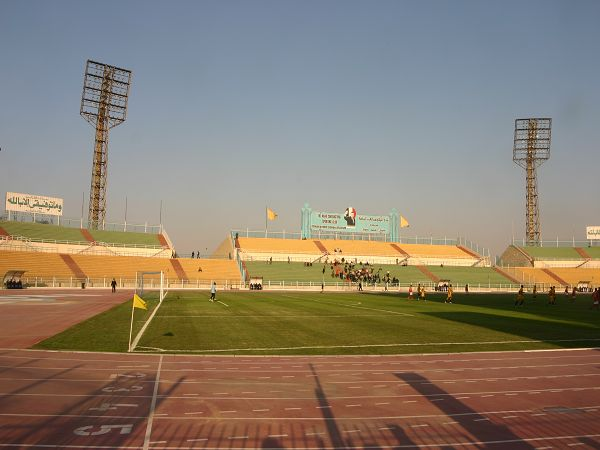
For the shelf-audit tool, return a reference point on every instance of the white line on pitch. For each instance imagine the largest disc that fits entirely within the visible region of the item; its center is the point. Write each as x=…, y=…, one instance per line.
x=224, y=304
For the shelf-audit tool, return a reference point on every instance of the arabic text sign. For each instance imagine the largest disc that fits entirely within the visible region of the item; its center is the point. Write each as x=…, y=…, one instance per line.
x=336, y=222
x=593, y=232
x=37, y=204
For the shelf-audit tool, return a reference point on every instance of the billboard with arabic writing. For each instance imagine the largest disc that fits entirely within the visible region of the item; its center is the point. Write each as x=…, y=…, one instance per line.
x=35, y=204
x=592, y=232
x=350, y=220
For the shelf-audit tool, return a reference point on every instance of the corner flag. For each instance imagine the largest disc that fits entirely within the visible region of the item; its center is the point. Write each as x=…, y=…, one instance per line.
x=138, y=302
x=271, y=215
x=403, y=222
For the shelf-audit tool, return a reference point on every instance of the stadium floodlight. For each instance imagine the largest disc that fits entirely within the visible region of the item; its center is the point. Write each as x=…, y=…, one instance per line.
x=531, y=148
x=104, y=106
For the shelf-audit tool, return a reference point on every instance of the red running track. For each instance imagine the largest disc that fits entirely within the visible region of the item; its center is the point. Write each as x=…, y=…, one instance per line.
x=511, y=400
x=497, y=400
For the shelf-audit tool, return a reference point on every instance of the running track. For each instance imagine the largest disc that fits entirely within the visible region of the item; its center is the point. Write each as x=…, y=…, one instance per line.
x=503, y=400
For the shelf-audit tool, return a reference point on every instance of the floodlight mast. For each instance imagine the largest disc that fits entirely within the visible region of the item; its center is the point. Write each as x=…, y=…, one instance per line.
x=531, y=149
x=104, y=106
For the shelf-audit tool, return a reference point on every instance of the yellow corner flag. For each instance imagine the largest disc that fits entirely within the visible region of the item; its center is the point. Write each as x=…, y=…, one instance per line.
x=138, y=302
x=271, y=215
x=403, y=222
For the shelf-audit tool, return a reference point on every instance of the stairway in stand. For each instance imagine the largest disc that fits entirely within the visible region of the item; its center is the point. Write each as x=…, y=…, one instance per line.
x=69, y=261
x=179, y=270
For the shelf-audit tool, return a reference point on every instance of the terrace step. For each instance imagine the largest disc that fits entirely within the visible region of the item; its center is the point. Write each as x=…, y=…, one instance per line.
x=87, y=235
x=506, y=275
x=428, y=273
x=70, y=262
x=579, y=250
x=555, y=277
x=179, y=269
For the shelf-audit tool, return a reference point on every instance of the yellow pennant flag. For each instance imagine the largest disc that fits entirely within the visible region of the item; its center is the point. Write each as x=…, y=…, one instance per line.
x=403, y=222
x=271, y=215
x=138, y=302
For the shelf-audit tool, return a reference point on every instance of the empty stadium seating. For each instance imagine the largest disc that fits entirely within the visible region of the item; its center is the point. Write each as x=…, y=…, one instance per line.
x=28, y=236
x=372, y=251
x=49, y=266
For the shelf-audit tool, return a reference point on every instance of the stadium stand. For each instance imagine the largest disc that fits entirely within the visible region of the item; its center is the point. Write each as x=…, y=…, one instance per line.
x=99, y=270
x=28, y=236
x=261, y=249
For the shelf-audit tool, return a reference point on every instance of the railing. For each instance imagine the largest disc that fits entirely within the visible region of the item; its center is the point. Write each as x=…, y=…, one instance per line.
x=8, y=244
x=81, y=243
x=80, y=223
x=127, y=283
x=224, y=284
x=559, y=243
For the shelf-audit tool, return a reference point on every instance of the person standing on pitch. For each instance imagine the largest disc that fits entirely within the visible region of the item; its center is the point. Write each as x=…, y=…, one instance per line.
x=520, y=297
x=213, y=292
x=113, y=285
x=449, y=295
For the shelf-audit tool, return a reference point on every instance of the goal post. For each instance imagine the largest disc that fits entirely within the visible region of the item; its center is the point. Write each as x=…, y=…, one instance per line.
x=148, y=281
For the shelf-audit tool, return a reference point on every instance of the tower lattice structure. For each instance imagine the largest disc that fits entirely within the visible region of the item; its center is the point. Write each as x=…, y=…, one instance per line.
x=531, y=148
x=104, y=106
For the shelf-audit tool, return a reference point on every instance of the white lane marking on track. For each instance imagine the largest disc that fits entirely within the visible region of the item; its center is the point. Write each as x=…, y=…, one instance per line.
x=509, y=417
x=228, y=412
x=351, y=431
x=314, y=434
x=196, y=412
x=152, y=406
x=292, y=409
x=197, y=440
x=239, y=437
x=277, y=435
x=481, y=420
x=261, y=410
x=382, y=403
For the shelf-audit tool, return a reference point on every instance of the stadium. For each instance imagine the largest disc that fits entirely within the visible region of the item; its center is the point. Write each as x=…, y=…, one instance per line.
x=347, y=332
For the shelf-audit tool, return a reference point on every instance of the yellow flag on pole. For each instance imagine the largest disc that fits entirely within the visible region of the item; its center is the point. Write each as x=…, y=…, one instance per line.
x=271, y=215
x=138, y=302
x=403, y=222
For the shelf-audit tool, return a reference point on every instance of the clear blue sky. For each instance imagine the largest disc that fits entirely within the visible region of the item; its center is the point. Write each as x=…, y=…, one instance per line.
x=372, y=104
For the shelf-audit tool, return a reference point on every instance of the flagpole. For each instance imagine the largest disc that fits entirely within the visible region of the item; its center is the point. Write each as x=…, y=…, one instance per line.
x=131, y=325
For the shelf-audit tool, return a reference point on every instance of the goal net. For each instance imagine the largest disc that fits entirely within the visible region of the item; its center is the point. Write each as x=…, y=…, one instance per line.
x=150, y=282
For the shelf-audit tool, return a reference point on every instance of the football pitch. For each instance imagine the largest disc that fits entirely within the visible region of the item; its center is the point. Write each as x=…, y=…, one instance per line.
x=300, y=323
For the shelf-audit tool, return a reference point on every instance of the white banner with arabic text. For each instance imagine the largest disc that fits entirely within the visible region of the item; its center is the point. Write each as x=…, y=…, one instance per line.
x=34, y=204
x=592, y=233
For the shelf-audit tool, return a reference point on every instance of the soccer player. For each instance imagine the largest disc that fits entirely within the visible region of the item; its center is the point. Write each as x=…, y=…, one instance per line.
x=422, y=293
x=410, y=292
x=449, y=295
x=552, y=296
x=213, y=292
x=520, y=297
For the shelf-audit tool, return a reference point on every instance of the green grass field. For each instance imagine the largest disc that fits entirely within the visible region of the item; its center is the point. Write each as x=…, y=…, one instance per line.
x=338, y=323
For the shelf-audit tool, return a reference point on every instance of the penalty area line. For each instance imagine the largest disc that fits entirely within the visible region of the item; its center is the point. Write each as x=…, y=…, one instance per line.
x=225, y=304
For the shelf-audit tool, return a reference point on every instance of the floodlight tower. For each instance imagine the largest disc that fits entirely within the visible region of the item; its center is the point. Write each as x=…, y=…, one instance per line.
x=531, y=149
x=104, y=106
